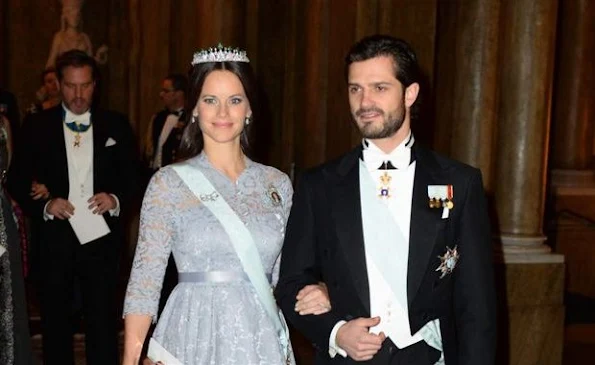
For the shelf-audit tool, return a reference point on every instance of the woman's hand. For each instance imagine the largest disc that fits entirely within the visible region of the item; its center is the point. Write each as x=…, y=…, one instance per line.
x=39, y=191
x=313, y=299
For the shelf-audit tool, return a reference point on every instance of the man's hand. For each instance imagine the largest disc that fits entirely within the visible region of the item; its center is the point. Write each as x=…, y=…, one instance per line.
x=60, y=208
x=354, y=337
x=101, y=203
x=313, y=299
x=39, y=191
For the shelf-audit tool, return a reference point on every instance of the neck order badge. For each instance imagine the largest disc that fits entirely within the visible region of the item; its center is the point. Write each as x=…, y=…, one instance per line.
x=385, y=179
x=78, y=128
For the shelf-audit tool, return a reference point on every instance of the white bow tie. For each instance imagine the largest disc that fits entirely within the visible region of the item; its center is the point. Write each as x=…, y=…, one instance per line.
x=84, y=118
x=397, y=159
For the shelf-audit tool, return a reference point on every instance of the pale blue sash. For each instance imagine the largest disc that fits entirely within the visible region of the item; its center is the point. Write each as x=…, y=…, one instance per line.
x=389, y=251
x=383, y=238
x=242, y=242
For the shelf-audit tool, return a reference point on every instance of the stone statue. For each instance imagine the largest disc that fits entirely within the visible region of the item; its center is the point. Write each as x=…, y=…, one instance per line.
x=71, y=36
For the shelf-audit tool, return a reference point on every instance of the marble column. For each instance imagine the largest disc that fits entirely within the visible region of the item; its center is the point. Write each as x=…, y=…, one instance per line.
x=574, y=97
x=526, y=75
x=313, y=86
x=475, y=85
x=529, y=276
x=571, y=170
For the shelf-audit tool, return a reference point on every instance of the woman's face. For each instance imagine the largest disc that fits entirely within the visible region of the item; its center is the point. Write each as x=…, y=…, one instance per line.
x=51, y=85
x=222, y=108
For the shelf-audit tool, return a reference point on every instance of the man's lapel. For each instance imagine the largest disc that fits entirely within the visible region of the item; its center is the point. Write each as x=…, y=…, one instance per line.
x=424, y=219
x=99, y=140
x=347, y=215
x=60, y=159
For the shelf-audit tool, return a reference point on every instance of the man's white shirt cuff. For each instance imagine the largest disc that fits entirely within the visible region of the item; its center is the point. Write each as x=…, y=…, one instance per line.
x=46, y=215
x=333, y=348
x=116, y=211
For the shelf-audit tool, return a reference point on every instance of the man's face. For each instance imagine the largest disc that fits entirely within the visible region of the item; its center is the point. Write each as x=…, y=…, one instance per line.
x=77, y=88
x=51, y=84
x=376, y=97
x=168, y=93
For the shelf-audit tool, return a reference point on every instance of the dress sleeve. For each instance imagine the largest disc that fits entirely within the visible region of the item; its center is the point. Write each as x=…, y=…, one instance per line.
x=286, y=191
x=152, y=250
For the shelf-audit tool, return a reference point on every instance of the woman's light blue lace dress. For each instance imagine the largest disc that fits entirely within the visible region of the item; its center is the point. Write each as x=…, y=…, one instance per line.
x=205, y=322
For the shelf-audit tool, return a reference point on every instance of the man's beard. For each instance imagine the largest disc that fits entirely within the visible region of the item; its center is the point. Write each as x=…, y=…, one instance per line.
x=77, y=105
x=390, y=125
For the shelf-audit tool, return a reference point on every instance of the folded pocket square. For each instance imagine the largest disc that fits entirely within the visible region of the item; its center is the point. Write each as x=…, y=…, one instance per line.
x=110, y=142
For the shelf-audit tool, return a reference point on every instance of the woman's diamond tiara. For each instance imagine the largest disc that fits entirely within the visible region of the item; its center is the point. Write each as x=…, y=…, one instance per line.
x=220, y=54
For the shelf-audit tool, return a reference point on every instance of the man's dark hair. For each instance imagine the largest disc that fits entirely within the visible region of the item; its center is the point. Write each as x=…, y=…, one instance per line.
x=403, y=56
x=76, y=58
x=178, y=81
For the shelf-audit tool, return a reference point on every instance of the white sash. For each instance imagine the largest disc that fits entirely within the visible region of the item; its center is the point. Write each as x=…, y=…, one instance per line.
x=242, y=241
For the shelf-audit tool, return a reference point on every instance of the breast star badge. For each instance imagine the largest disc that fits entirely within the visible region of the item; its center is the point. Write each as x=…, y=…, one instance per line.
x=448, y=261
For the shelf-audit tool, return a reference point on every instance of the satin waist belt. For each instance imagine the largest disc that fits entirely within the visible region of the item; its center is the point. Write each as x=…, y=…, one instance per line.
x=215, y=277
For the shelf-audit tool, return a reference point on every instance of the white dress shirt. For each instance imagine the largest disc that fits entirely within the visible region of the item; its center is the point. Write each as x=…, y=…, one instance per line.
x=170, y=123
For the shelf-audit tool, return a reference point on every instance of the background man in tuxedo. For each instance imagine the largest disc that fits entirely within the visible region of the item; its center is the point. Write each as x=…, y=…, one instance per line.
x=68, y=153
x=399, y=234
x=166, y=127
